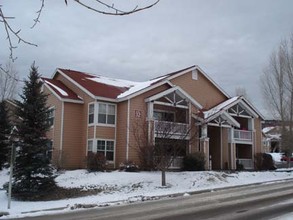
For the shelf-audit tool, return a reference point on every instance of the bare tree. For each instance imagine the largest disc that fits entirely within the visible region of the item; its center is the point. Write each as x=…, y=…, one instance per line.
x=8, y=81
x=98, y=6
x=160, y=143
x=277, y=88
x=241, y=91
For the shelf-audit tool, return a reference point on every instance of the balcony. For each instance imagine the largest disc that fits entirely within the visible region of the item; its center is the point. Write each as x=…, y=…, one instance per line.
x=171, y=130
x=242, y=136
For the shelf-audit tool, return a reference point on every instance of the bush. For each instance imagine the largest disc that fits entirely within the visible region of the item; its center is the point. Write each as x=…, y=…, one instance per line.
x=264, y=161
x=194, y=162
x=96, y=162
x=268, y=162
x=146, y=157
x=129, y=166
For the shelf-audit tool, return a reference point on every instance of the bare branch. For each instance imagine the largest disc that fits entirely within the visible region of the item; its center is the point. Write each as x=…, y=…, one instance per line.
x=113, y=9
x=110, y=9
x=8, y=81
x=39, y=12
x=10, y=32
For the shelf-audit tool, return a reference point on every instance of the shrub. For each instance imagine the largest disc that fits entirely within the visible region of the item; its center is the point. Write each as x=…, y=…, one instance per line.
x=96, y=162
x=268, y=162
x=194, y=162
x=264, y=161
x=129, y=166
x=146, y=157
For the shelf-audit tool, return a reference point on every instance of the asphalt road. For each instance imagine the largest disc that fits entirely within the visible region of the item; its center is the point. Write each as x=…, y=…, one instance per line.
x=265, y=201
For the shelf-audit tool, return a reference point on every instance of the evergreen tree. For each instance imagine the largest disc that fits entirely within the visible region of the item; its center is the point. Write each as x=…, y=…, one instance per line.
x=4, y=133
x=33, y=171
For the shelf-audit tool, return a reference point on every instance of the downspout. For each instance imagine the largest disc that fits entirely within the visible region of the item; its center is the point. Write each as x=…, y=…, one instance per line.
x=190, y=135
x=221, y=147
x=254, y=140
x=115, y=142
x=61, y=136
x=127, y=132
x=232, y=159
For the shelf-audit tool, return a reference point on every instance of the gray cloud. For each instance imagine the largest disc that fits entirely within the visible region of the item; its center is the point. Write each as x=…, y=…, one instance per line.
x=230, y=40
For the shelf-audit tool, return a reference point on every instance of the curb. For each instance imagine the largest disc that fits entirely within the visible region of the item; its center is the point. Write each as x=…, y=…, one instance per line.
x=174, y=195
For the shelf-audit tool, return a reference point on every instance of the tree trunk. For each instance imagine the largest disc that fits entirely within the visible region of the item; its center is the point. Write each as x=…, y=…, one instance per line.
x=163, y=177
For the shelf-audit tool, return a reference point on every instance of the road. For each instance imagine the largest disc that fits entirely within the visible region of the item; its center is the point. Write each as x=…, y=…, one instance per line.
x=265, y=201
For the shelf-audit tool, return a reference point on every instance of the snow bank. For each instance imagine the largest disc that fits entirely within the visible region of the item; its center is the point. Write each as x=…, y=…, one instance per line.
x=123, y=187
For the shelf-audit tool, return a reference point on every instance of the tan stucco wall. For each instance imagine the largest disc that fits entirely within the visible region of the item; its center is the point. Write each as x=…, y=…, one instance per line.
x=121, y=138
x=55, y=131
x=75, y=128
x=73, y=152
x=202, y=90
x=258, y=135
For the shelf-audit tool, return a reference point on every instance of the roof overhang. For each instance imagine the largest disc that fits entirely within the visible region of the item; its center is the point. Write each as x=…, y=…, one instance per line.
x=179, y=91
x=222, y=118
x=61, y=98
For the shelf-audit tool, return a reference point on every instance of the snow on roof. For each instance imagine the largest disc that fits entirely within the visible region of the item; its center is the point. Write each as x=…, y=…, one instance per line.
x=267, y=129
x=139, y=86
x=219, y=107
x=132, y=87
x=113, y=82
x=273, y=137
x=61, y=91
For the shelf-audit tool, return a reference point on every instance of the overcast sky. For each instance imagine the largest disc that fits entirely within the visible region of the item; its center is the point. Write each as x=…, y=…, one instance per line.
x=230, y=40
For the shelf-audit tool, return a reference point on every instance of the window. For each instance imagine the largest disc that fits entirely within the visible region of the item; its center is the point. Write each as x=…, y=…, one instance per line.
x=164, y=116
x=49, y=149
x=90, y=145
x=106, y=148
x=91, y=113
x=50, y=116
x=106, y=114
x=194, y=75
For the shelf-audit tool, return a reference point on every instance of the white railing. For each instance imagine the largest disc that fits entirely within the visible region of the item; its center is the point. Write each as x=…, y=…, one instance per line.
x=241, y=135
x=166, y=129
x=247, y=163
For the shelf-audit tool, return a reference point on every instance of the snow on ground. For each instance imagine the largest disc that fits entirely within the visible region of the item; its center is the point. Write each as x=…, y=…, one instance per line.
x=124, y=187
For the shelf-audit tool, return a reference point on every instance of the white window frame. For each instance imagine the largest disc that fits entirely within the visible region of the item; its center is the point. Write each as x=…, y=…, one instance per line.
x=107, y=113
x=93, y=146
x=105, y=151
x=194, y=75
x=51, y=109
x=50, y=150
x=88, y=113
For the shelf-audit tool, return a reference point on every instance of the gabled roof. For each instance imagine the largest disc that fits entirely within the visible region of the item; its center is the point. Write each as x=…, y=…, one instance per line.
x=96, y=85
x=219, y=109
x=61, y=91
x=119, y=90
x=175, y=90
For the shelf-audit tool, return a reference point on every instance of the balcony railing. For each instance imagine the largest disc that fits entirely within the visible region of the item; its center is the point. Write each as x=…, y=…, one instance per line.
x=242, y=135
x=166, y=129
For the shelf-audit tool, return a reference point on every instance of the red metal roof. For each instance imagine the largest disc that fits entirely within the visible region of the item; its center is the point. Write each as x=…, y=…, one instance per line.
x=61, y=90
x=95, y=88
